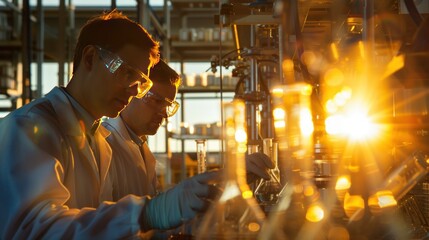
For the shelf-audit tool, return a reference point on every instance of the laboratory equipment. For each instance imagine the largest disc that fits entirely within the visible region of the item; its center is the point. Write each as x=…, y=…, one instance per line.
x=236, y=214
x=201, y=155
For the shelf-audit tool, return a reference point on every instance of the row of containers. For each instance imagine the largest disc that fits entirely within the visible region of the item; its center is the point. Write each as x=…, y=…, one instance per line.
x=209, y=79
x=205, y=34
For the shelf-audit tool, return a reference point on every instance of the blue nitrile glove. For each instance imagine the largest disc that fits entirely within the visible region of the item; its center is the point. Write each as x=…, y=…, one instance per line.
x=257, y=166
x=180, y=203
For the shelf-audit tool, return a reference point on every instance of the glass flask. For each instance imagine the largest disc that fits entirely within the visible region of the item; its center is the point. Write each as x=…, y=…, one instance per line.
x=201, y=155
x=293, y=124
x=267, y=191
x=236, y=214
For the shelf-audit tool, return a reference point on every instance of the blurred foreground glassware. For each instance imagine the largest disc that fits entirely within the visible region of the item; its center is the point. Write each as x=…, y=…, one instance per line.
x=236, y=214
x=296, y=208
x=399, y=183
x=267, y=191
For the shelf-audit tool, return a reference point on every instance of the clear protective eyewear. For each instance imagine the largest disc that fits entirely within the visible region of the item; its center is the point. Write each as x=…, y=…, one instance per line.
x=171, y=105
x=132, y=75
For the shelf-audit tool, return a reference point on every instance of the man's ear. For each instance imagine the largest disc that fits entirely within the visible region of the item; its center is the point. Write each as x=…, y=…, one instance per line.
x=88, y=54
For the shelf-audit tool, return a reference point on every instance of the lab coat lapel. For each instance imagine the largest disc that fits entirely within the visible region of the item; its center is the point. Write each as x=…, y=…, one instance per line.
x=150, y=162
x=105, y=151
x=70, y=122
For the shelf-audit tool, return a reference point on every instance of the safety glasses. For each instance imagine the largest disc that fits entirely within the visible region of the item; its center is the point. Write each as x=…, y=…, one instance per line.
x=132, y=75
x=170, y=105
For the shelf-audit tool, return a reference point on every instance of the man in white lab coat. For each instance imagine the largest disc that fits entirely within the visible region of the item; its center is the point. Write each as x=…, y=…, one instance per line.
x=54, y=159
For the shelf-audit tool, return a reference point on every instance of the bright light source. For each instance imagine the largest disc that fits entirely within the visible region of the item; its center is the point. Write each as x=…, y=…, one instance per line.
x=279, y=113
x=335, y=125
x=359, y=124
x=341, y=98
x=343, y=183
x=240, y=135
x=247, y=194
x=279, y=118
x=306, y=90
x=382, y=199
x=330, y=106
x=306, y=122
x=315, y=213
x=279, y=124
x=355, y=123
x=277, y=91
x=354, y=206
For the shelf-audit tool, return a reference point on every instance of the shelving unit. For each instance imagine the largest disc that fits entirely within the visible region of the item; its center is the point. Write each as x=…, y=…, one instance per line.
x=204, y=93
x=188, y=17
x=198, y=51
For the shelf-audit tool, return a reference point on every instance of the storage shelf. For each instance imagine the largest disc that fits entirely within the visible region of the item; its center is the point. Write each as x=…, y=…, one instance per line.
x=192, y=137
x=199, y=51
x=205, y=89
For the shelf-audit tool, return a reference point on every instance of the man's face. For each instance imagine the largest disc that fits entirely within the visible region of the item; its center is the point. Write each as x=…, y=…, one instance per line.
x=112, y=90
x=145, y=116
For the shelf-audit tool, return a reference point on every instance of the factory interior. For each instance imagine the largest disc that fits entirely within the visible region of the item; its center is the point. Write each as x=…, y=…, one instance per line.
x=334, y=91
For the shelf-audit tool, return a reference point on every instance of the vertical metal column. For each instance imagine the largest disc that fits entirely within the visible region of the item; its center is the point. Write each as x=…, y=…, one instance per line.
x=251, y=88
x=182, y=119
x=166, y=40
x=40, y=47
x=61, y=41
x=26, y=52
x=71, y=37
x=142, y=13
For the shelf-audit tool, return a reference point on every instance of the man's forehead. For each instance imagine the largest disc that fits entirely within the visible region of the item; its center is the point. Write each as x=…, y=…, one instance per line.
x=136, y=57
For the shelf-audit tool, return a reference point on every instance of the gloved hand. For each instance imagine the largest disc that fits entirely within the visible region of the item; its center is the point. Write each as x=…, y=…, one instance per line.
x=180, y=203
x=257, y=166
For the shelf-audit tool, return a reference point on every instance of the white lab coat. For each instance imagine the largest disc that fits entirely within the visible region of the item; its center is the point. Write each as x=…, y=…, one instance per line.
x=131, y=172
x=50, y=184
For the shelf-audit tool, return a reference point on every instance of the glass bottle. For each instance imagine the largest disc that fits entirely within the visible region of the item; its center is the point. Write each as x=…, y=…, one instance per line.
x=236, y=214
x=201, y=155
x=267, y=191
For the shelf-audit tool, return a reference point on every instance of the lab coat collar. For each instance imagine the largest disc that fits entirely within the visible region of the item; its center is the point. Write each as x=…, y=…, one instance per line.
x=150, y=161
x=65, y=111
x=71, y=124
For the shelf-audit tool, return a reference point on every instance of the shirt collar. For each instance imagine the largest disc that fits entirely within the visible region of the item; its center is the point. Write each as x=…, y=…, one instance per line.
x=134, y=137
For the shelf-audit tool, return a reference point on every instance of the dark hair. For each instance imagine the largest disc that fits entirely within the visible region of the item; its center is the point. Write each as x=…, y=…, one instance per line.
x=162, y=73
x=112, y=31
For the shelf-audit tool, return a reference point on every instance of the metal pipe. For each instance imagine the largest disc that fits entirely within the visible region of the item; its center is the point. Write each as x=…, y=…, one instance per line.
x=167, y=37
x=142, y=13
x=26, y=53
x=61, y=40
x=368, y=30
x=71, y=37
x=251, y=88
x=40, y=47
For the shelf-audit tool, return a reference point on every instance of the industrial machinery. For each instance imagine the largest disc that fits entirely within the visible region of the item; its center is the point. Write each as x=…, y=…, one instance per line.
x=344, y=94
